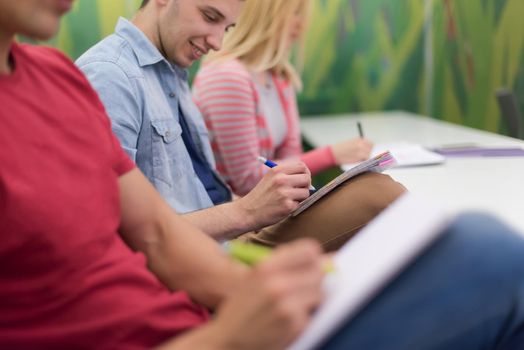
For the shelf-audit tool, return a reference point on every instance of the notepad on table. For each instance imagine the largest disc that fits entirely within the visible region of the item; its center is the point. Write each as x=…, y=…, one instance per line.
x=376, y=164
x=372, y=259
x=406, y=154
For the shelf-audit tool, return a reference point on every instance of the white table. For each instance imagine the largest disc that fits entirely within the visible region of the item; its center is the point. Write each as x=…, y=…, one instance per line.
x=494, y=185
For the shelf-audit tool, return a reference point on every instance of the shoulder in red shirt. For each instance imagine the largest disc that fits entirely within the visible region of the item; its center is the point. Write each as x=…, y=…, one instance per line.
x=68, y=280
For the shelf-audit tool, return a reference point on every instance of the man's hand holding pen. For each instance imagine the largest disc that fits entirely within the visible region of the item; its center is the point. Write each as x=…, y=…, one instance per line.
x=279, y=192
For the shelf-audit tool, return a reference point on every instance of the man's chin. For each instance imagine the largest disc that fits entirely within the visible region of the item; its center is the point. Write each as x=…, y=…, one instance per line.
x=186, y=63
x=42, y=33
x=41, y=36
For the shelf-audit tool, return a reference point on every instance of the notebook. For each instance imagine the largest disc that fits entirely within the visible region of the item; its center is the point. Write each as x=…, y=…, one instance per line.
x=370, y=260
x=407, y=154
x=377, y=164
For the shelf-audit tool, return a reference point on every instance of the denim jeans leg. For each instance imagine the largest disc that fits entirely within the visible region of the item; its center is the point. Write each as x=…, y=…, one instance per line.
x=465, y=292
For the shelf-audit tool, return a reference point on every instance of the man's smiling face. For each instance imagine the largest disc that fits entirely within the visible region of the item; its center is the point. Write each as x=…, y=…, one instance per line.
x=188, y=29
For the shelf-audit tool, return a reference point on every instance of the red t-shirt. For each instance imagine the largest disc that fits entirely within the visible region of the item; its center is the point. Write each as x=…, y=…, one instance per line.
x=67, y=280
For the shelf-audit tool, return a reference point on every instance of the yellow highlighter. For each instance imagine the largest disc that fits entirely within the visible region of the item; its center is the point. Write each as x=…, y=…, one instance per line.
x=251, y=254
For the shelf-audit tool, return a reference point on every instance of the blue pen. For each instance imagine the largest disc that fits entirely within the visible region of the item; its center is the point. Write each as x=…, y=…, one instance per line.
x=267, y=162
x=271, y=164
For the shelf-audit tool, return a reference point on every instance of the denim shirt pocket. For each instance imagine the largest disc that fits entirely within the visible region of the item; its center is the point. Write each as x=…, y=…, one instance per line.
x=168, y=151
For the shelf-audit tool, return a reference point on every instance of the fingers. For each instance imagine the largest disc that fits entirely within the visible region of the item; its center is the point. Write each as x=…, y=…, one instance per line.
x=298, y=181
x=294, y=297
x=293, y=174
x=366, y=142
x=292, y=167
x=297, y=254
x=277, y=299
x=295, y=276
x=289, y=190
x=366, y=147
x=278, y=193
x=351, y=151
x=297, y=258
x=361, y=148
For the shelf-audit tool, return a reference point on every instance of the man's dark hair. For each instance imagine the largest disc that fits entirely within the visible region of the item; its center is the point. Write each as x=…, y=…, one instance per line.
x=144, y=3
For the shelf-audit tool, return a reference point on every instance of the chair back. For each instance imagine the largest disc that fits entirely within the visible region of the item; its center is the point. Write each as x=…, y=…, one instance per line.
x=510, y=111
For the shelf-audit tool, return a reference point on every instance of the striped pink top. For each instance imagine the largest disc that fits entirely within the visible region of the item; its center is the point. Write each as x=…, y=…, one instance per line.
x=229, y=102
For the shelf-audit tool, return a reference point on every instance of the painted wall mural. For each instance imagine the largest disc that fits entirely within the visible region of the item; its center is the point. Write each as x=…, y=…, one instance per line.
x=478, y=47
x=364, y=55
x=443, y=58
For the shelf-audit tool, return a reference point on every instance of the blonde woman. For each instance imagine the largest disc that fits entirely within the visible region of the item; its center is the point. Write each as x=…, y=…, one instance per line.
x=246, y=93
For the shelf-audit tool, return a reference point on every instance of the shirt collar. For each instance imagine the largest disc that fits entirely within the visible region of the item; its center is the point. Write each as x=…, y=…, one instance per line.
x=146, y=53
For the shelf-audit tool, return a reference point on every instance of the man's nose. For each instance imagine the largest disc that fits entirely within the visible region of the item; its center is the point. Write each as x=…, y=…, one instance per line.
x=214, y=40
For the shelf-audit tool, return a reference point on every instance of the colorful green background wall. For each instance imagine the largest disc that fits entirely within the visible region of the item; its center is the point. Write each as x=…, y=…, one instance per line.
x=443, y=58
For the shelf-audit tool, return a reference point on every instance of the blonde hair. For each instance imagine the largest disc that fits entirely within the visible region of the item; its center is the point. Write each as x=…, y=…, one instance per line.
x=260, y=38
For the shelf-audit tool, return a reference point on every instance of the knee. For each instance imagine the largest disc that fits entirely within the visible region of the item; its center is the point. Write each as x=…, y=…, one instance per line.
x=485, y=244
x=378, y=190
x=479, y=229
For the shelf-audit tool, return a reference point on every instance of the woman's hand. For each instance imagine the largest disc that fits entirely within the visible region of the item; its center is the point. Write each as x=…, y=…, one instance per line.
x=351, y=151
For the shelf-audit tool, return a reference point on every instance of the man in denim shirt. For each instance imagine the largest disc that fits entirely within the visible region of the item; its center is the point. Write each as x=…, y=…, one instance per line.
x=140, y=75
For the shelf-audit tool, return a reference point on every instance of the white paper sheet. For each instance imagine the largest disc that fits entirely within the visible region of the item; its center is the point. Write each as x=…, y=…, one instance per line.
x=371, y=259
x=406, y=154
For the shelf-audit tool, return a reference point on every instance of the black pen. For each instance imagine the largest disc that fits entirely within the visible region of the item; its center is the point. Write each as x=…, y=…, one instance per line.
x=360, y=131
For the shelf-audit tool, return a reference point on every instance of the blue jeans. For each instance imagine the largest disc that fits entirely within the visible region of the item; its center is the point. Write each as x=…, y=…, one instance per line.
x=465, y=292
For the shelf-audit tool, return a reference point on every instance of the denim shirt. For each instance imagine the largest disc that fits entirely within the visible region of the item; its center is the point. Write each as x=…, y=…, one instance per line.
x=142, y=92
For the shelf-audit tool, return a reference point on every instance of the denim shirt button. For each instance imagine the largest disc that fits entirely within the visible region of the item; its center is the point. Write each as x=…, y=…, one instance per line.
x=171, y=94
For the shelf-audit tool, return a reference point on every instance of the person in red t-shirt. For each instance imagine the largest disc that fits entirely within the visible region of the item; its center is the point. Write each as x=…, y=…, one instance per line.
x=81, y=231
x=67, y=278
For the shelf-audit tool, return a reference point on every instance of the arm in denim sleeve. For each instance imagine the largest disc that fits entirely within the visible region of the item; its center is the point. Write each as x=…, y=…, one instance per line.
x=119, y=96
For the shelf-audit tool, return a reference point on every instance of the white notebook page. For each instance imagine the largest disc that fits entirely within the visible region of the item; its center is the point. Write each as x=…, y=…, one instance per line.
x=371, y=259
